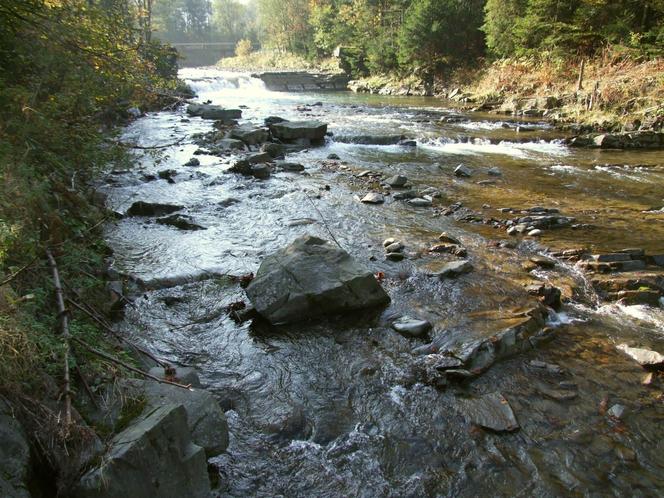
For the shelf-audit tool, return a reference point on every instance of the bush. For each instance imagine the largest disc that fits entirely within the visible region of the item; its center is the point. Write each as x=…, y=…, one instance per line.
x=243, y=48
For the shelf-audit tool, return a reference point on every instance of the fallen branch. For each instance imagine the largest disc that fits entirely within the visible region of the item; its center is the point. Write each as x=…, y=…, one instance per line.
x=110, y=330
x=112, y=359
x=63, y=315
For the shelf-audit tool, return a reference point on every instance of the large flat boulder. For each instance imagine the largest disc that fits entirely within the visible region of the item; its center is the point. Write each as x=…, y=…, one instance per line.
x=309, y=278
x=14, y=455
x=152, y=457
x=295, y=130
x=208, y=111
x=250, y=135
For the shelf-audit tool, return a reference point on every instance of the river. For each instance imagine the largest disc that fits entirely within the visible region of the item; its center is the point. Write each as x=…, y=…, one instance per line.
x=331, y=408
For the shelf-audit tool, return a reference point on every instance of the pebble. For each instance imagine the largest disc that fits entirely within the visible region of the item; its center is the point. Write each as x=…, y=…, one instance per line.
x=389, y=241
x=420, y=202
x=394, y=256
x=535, y=233
x=411, y=326
x=373, y=198
x=397, y=181
x=462, y=171
x=616, y=411
x=394, y=247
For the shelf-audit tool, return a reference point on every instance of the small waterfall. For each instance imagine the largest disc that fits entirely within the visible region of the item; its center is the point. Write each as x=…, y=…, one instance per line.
x=211, y=83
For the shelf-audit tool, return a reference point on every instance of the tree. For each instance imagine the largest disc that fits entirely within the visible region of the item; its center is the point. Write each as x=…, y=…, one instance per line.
x=499, y=25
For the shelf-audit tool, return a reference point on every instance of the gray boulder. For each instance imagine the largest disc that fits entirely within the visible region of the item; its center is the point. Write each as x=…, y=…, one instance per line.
x=462, y=171
x=152, y=457
x=141, y=208
x=14, y=455
x=294, y=130
x=208, y=111
x=644, y=357
x=309, y=278
x=250, y=135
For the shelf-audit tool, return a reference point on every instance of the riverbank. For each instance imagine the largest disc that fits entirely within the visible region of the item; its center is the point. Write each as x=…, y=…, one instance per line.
x=617, y=91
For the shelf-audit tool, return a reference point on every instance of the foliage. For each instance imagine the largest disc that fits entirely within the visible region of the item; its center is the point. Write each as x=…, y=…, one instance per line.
x=243, y=48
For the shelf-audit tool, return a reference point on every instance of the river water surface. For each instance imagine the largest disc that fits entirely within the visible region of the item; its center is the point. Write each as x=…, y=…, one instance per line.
x=331, y=408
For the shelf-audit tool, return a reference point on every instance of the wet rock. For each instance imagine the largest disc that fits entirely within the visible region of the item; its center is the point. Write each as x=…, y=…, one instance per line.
x=167, y=174
x=454, y=269
x=397, y=181
x=370, y=139
x=261, y=171
x=288, y=166
x=420, y=202
x=454, y=249
x=226, y=144
x=309, y=278
x=154, y=456
x=193, y=162
x=389, y=241
x=333, y=157
x=14, y=455
x=411, y=326
x=557, y=394
x=207, y=111
x=543, y=261
x=644, y=357
x=141, y=208
x=180, y=221
x=405, y=195
x=407, y=143
x=463, y=171
x=535, y=233
x=548, y=295
x=259, y=157
x=270, y=120
x=293, y=426
x=433, y=369
x=274, y=150
x=432, y=192
x=617, y=411
x=395, y=256
x=250, y=135
x=294, y=130
x=494, y=172
x=394, y=247
x=491, y=411
x=373, y=198
x=449, y=239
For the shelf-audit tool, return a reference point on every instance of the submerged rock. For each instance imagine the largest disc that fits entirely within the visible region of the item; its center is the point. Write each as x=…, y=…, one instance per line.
x=154, y=456
x=454, y=269
x=397, y=181
x=463, y=171
x=491, y=411
x=250, y=135
x=180, y=221
x=141, y=208
x=309, y=278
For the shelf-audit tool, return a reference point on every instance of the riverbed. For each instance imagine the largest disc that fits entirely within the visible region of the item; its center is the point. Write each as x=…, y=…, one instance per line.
x=332, y=407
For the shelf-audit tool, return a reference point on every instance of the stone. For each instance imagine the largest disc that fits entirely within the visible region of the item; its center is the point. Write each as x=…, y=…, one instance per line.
x=407, y=143
x=612, y=257
x=250, y=135
x=14, y=455
x=394, y=247
x=205, y=419
x=535, y=233
x=229, y=144
x=294, y=130
x=462, y=171
x=373, y=198
x=420, y=202
x=389, y=241
x=261, y=171
x=370, y=139
x=208, y=111
x=454, y=269
x=181, y=221
x=644, y=357
x=616, y=411
x=141, y=208
x=154, y=456
x=543, y=261
x=449, y=249
x=309, y=278
x=450, y=239
x=405, y=195
x=193, y=162
x=547, y=295
x=288, y=166
x=432, y=192
x=411, y=326
x=274, y=150
x=273, y=120
x=259, y=158
x=491, y=411
x=333, y=157
x=395, y=256
x=494, y=172
x=397, y=181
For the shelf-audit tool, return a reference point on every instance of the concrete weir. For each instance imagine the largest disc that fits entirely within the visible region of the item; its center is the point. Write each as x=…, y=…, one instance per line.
x=300, y=81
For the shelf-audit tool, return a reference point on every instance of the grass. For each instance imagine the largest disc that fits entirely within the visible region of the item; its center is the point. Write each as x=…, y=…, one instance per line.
x=274, y=60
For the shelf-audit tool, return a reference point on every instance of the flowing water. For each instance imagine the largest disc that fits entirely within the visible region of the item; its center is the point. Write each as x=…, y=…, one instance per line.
x=331, y=408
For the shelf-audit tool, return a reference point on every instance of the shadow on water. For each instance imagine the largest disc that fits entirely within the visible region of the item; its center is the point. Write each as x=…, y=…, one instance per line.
x=334, y=407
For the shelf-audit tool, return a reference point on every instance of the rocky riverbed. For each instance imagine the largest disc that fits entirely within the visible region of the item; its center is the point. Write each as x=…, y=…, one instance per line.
x=506, y=288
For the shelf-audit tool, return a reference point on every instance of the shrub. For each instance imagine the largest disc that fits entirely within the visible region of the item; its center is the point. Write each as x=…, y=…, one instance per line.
x=243, y=48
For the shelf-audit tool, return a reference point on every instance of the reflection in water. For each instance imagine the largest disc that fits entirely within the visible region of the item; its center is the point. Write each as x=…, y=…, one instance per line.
x=332, y=408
